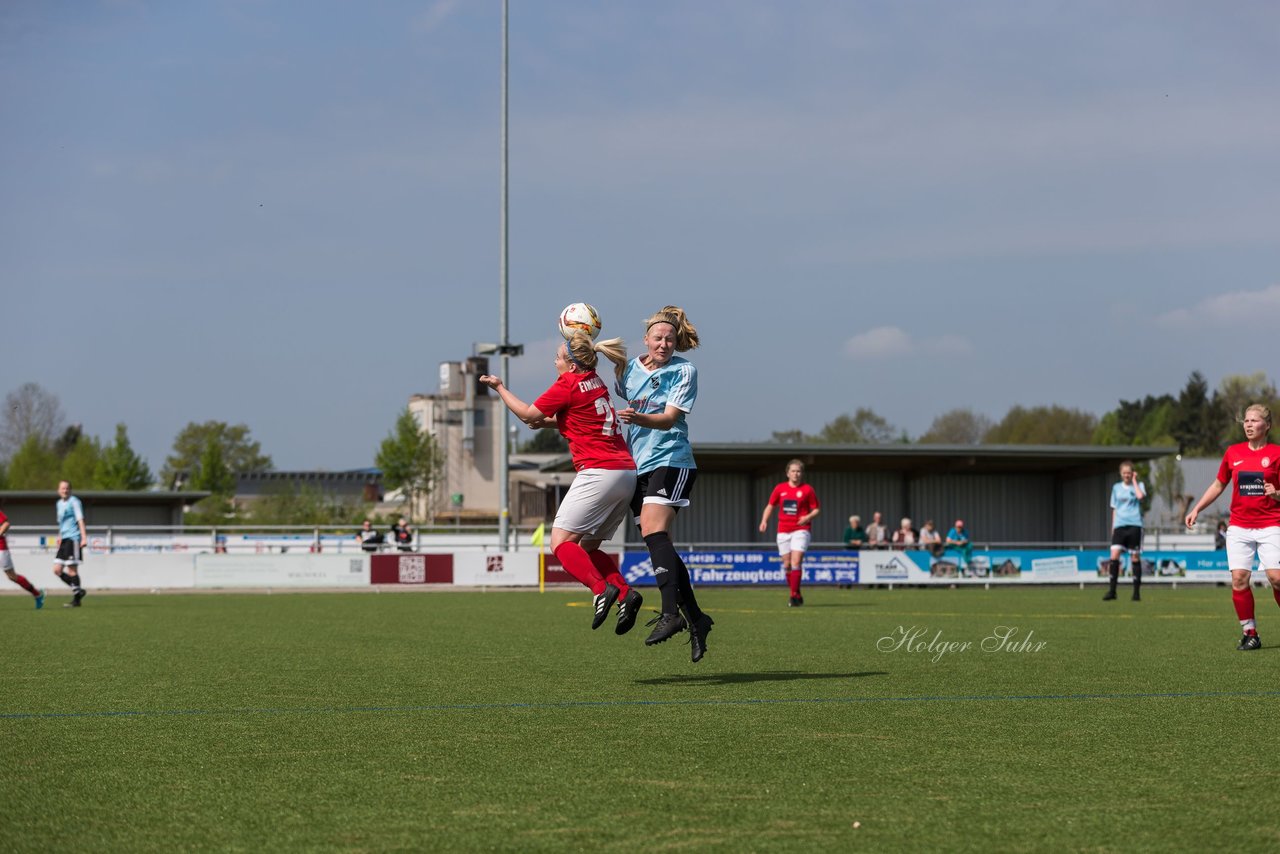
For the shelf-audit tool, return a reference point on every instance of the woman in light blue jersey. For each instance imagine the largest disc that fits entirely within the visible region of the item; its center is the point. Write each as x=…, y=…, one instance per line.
x=660, y=388
x=1126, y=529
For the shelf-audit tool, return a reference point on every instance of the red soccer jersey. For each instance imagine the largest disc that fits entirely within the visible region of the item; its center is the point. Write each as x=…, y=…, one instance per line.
x=4, y=541
x=792, y=503
x=1245, y=471
x=586, y=418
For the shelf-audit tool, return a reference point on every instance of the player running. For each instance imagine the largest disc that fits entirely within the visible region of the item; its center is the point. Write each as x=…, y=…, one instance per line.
x=577, y=404
x=1252, y=467
x=660, y=388
x=6, y=563
x=797, y=505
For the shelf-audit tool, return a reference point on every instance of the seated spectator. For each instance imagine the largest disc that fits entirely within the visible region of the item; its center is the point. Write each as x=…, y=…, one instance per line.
x=854, y=536
x=930, y=539
x=1220, y=537
x=368, y=538
x=402, y=535
x=877, y=533
x=905, y=536
x=959, y=542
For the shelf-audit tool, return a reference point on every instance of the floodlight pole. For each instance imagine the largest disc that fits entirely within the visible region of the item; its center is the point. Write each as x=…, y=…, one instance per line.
x=504, y=342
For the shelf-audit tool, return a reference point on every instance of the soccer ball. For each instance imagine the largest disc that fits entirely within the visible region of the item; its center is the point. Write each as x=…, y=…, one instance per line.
x=579, y=317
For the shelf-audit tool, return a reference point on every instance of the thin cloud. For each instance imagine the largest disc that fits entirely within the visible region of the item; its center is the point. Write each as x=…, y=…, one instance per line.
x=1233, y=308
x=878, y=343
x=436, y=15
x=891, y=341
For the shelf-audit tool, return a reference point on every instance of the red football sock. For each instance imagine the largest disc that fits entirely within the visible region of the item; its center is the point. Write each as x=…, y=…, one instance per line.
x=1243, y=600
x=793, y=581
x=575, y=562
x=604, y=565
x=26, y=585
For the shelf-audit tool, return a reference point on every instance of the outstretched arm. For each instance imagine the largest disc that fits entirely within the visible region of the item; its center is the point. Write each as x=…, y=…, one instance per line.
x=526, y=412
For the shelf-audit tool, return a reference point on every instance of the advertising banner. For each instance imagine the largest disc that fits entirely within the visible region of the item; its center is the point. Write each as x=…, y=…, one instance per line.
x=741, y=567
x=287, y=570
x=1033, y=566
x=496, y=569
x=411, y=569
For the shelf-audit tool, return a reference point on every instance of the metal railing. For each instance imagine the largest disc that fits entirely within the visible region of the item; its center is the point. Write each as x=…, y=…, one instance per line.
x=341, y=539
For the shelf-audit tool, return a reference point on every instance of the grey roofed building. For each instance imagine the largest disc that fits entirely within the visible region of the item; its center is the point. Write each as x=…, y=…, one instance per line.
x=357, y=485
x=101, y=508
x=1005, y=493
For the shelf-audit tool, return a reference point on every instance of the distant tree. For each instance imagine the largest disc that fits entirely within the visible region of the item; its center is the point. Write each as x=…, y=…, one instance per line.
x=410, y=459
x=34, y=465
x=957, y=427
x=306, y=505
x=238, y=451
x=788, y=437
x=211, y=473
x=29, y=410
x=1195, y=422
x=119, y=468
x=1169, y=483
x=80, y=463
x=1234, y=393
x=863, y=427
x=545, y=442
x=1043, y=425
x=1149, y=421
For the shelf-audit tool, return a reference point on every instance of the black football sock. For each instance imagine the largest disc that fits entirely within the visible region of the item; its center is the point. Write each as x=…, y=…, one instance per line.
x=1137, y=574
x=666, y=569
x=1114, y=568
x=68, y=579
x=688, y=600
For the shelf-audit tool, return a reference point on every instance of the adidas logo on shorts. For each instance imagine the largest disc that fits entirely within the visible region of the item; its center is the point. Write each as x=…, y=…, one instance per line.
x=662, y=491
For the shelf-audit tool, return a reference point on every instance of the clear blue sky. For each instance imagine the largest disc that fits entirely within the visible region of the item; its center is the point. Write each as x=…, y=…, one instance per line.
x=286, y=213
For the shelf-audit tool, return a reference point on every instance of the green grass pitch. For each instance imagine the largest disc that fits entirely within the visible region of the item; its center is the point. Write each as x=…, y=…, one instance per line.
x=460, y=721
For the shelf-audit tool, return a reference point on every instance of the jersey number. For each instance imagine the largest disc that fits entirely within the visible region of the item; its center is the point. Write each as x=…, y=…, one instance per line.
x=605, y=409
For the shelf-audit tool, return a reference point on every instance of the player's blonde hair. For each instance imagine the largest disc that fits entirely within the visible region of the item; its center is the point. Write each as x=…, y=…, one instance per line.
x=1264, y=411
x=795, y=462
x=583, y=351
x=686, y=333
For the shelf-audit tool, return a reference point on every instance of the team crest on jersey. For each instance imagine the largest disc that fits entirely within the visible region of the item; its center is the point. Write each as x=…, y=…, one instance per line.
x=1266, y=461
x=655, y=383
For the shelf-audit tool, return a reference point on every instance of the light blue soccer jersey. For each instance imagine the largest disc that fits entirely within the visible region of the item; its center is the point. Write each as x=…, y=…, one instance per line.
x=69, y=512
x=674, y=384
x=1125, y=502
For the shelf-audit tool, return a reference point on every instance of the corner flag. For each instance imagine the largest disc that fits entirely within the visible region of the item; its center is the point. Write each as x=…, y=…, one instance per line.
x=536, y=539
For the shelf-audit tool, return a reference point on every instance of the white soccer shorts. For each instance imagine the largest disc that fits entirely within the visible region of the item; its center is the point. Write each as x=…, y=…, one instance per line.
x=598, y=501
x=1244, y=544
x=796, y=541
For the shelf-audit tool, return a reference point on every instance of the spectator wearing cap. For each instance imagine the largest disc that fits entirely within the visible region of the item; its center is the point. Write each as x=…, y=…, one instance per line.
x=959, y=542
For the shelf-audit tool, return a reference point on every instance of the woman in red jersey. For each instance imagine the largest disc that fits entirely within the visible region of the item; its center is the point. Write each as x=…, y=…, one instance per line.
x=1252, y=468
x=797, y=505
x=599, y=499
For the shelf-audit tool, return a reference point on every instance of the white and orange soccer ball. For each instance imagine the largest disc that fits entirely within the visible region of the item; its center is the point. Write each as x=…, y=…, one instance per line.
x=579, y=317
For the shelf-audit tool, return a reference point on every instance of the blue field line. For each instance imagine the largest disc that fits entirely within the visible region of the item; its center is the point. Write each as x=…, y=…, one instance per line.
x=595, y=704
